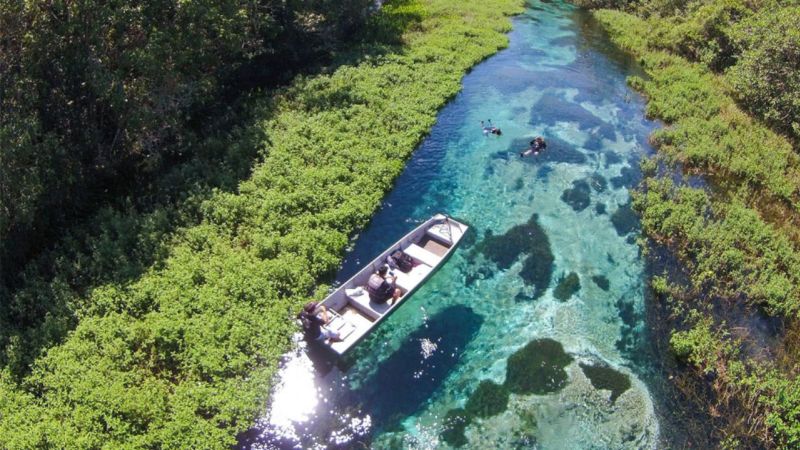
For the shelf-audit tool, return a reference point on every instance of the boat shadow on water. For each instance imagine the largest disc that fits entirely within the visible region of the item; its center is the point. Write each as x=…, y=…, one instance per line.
x=415, y=372
x=398, y=387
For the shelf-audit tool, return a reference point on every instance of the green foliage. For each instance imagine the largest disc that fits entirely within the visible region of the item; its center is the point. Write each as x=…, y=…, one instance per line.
x=99, y=96
x=567, y=286
x=735, y=239
x=161, y=329
x=537, y=368
x=767, y=77
x=704, y=33
x=489, y=399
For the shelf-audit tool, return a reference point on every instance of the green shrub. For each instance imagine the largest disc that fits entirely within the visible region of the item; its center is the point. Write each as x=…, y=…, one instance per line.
x=767, y=76
x=152, y=337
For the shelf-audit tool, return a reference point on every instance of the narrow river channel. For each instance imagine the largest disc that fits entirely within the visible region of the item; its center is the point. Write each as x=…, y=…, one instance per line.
x=497, y=302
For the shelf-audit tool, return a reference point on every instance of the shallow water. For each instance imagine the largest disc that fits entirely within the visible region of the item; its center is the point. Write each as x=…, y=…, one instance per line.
x=562, y=79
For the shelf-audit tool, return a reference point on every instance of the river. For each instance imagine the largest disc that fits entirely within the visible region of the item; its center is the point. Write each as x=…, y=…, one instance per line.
x=496, y=303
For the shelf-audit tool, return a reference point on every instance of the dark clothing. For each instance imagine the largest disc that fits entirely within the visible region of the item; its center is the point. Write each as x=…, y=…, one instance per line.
x=537, y=146
x=380, y=290
x=312, y=325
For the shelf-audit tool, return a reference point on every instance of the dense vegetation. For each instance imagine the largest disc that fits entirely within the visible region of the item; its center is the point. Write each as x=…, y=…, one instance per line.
x=98, y=97
x=158, y=322
x=708, y=63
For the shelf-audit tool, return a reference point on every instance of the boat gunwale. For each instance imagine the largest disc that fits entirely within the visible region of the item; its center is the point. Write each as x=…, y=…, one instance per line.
x=419, y=231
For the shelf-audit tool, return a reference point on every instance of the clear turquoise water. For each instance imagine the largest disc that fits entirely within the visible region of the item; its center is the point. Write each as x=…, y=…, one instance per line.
x=560, y=78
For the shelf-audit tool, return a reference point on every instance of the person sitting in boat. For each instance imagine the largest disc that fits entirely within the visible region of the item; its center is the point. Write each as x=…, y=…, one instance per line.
x=313, y=323
x=490, y=128
x=537, y=146
x=380, y=289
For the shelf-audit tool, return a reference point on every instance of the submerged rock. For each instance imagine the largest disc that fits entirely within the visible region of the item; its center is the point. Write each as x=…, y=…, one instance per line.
x=603, y=377
x=578, y=196
x=489, y=399
x=528, y=239
x=567, y=287
x=537, y=368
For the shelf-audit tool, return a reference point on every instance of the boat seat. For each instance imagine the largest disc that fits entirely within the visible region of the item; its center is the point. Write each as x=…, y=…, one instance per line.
x=422, y=255
x=409, y=281
x=360, y=299
x=441, y=232
x=340, y=325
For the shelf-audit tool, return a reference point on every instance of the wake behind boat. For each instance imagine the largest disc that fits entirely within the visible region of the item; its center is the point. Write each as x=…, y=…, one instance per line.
x=351, y=312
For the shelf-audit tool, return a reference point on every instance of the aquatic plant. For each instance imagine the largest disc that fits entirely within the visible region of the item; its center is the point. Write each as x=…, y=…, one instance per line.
x=604, y=377
x=455, y=422
x=600, y=208
x=601, y=281
x=567, y=286
x=489, y=399
x=625, y=220
x=578, y=196
x=627, y=178
x=528, y=239
x=570, y=112
x=537, y=368
x=598, y=182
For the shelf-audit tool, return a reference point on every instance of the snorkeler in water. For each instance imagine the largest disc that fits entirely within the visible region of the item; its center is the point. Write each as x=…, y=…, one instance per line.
x=536, y=146
x=490, y=128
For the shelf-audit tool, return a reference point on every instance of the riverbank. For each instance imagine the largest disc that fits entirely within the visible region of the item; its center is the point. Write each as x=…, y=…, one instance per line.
x=731, y=221
x=182, y=354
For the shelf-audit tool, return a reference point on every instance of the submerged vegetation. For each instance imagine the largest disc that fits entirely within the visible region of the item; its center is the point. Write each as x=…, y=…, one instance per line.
x=489, y=399
x=709, y=64
x=603, y=377
x=159, y=323
x=528, y=240
x=567, y=286
x=537, y=368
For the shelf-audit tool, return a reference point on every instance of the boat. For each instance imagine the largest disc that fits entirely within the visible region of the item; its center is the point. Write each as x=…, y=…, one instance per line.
x=353, y=315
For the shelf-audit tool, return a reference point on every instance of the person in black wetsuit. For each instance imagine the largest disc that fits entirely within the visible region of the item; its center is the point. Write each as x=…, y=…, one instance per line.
x=380, y=289
x=490, y=129
x=313, y=323
x=537, y=146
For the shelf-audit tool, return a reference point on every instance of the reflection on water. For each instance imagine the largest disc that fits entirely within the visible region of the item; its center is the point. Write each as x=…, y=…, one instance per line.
x=560, y=218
